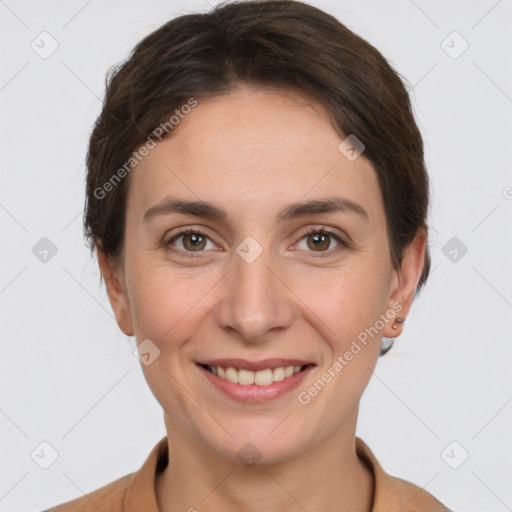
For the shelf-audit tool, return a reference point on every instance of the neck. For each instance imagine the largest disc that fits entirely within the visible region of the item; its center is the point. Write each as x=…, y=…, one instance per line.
x=329, y=477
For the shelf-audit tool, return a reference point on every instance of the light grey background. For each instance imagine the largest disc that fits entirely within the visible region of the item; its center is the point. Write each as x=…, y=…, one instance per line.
x=68, y=375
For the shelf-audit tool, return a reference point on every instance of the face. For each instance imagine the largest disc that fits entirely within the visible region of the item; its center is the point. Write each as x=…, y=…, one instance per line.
x=256, y=280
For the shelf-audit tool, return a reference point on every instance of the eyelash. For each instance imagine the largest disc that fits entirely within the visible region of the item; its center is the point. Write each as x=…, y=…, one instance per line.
x=314, y=230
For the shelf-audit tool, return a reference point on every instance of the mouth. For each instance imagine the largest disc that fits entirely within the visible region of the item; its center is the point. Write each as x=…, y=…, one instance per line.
x=255, y=386
x=264, y=373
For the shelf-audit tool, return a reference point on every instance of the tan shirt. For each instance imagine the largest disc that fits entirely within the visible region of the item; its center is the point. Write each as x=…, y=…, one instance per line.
x=135, y=492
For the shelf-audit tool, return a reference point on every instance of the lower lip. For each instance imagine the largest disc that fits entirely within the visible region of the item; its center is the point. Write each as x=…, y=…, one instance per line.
x=253, y=392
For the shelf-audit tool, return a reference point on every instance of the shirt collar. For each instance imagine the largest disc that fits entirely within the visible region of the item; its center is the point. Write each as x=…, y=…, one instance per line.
x=391, y=493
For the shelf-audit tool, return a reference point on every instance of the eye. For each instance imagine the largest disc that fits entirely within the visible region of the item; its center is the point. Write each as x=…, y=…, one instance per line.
x=319, y=240
x=192, y=241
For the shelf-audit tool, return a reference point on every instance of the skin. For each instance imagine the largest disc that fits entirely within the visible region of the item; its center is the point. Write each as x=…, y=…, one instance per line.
x=253, y=152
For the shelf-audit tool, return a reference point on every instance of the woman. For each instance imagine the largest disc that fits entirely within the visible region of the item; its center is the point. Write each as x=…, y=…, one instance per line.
x=257, y=197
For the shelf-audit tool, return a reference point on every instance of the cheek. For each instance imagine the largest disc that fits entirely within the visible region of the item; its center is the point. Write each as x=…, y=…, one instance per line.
x=348, y=299
x=349, y=303
x=168, y=309
x=353, y=335
x=166, y=306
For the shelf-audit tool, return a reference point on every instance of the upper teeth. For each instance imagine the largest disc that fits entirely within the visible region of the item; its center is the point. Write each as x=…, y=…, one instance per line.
x=261, y=377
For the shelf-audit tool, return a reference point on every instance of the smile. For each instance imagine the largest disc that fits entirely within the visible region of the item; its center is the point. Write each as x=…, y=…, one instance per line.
x=260, y=378
x=255, y=386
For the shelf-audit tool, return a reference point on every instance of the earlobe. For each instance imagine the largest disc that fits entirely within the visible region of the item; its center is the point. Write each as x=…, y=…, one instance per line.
x=116, y=292
x=405, y=281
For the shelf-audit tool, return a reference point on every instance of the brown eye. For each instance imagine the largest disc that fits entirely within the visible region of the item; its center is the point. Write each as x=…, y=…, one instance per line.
x=187, y=241
x=194, y=241
x=319, y=240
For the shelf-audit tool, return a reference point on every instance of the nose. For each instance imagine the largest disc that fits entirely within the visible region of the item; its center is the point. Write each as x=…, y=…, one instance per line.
x=255, y=301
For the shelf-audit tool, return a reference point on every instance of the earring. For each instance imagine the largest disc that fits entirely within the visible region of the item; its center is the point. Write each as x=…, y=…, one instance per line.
x=400, y=321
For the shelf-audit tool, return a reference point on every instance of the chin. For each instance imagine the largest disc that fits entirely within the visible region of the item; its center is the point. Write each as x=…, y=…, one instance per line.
x=262, y=443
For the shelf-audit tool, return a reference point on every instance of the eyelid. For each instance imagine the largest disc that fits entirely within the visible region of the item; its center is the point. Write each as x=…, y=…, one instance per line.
x=343, y=240
x=185, y=231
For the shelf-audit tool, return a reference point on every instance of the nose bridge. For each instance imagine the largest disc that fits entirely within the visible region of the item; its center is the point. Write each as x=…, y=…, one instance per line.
x=255, y=300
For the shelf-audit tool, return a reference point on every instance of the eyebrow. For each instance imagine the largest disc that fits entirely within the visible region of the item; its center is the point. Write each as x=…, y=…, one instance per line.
x=299, y=209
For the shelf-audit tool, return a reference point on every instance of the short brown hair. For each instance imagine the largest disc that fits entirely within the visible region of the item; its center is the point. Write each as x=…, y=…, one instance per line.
x=270, y=43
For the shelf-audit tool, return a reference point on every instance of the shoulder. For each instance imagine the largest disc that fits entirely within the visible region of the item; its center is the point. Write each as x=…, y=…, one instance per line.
x=126, y=493
x=109, y=497
x=394, y=493
x=412, y=498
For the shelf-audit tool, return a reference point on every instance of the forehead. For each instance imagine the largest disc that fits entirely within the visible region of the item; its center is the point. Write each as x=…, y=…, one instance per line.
x=251, y=148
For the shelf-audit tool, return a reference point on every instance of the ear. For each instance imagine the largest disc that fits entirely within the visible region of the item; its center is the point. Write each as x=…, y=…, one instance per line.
x=112, y=274
x=404, y=282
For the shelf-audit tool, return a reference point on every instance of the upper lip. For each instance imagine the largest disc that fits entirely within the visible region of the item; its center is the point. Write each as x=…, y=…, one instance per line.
x=243, y=364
